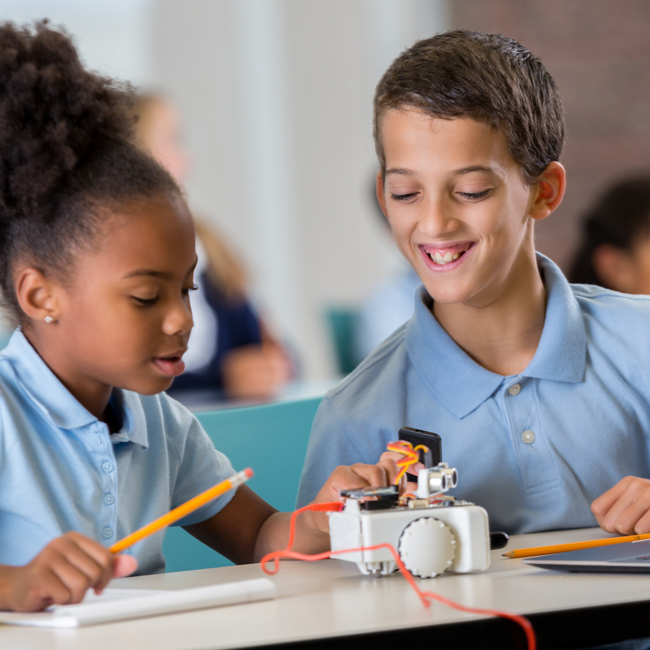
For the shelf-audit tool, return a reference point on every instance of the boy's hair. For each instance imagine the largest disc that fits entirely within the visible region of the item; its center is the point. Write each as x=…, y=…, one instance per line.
x=486, y=77
x=67, y=157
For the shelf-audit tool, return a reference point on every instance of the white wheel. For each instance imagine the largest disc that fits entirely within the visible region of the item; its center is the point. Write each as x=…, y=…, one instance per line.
x=427, y=547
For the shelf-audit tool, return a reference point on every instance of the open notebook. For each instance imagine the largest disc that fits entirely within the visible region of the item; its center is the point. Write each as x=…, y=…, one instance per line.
x=118, y=604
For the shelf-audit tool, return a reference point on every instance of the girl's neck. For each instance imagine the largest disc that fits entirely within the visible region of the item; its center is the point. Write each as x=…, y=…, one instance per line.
x=503, y=335
x=93, y=396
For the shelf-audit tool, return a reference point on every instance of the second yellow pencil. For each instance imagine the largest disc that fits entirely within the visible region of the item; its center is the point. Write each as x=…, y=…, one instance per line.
x=574, y=546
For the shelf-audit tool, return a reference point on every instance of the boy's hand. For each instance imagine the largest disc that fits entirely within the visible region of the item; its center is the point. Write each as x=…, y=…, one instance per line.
x=404, y=486
x=353, y=477
x=61, y=574
x=625, y=508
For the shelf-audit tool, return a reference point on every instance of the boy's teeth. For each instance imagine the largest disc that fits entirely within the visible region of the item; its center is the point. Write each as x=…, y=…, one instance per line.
x=438, y=258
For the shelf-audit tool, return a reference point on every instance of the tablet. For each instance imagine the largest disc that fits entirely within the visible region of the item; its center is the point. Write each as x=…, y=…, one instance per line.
x=625, y=557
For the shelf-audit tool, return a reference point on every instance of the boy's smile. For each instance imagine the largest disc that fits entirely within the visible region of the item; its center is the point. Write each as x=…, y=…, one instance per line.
x=457, y=204
x=462, y=215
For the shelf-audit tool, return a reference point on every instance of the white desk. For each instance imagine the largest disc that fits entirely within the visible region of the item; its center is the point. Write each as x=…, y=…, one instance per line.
x=332, y=599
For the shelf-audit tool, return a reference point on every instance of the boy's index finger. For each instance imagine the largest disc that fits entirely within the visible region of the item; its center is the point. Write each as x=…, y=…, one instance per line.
x=601, y=505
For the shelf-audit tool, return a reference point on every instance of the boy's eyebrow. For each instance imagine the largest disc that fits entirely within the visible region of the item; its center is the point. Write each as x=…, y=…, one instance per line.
x=156, y=274
x=456, y=172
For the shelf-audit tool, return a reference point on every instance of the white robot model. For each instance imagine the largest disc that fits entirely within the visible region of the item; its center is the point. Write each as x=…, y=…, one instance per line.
x=431, y=533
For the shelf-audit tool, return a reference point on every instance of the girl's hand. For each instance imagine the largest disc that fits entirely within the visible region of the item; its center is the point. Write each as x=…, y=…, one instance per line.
x=61, y=574
x=625, y=508
x=352, y=477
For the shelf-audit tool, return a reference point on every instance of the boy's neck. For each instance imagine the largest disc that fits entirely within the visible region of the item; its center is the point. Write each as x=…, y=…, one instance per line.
x=503, y=335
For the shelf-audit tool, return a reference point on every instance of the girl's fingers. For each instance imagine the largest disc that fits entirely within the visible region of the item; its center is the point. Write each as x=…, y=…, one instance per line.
x=124, y=565
x=74, y=580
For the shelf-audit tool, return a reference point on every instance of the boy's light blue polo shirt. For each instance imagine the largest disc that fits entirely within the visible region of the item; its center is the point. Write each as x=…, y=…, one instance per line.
x=534, y=449
x=60, y=470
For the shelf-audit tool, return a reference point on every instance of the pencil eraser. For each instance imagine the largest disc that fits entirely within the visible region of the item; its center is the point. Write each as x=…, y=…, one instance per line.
x=248, y=472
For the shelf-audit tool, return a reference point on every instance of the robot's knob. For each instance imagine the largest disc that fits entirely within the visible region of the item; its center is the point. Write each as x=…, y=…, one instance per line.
x=427, y=547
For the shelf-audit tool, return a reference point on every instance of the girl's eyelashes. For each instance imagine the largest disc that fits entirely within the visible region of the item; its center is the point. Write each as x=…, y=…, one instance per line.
x=474, y=196
x=145, y=302
x=194, y=287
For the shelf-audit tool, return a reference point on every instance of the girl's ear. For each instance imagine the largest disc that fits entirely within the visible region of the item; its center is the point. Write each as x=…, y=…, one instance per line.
x=549, y=191
x=37, y=295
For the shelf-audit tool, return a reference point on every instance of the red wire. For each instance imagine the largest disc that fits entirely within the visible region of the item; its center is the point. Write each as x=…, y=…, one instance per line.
x=425, y=596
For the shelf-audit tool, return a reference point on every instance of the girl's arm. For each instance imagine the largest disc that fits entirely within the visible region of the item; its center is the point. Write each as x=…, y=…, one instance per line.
x=248, y=528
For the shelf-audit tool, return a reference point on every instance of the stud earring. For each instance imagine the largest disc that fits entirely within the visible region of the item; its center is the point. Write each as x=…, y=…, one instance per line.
x=48, y=319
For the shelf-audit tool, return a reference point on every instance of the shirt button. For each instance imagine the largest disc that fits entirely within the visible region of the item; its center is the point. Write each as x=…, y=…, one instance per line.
x=528, y=436
x=107, y=532
x=515, y=389
x=107, y=467
x=109, y=499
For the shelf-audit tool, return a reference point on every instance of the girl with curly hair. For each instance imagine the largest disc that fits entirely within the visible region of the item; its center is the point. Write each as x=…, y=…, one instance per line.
x=96, y=263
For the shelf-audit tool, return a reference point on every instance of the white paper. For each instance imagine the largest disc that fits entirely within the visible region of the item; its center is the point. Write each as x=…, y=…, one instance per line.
x=119, y=604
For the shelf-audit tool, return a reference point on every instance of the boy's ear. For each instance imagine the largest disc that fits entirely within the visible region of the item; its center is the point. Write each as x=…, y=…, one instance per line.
x=381, y=196
x=549, y=191
x=37, y=295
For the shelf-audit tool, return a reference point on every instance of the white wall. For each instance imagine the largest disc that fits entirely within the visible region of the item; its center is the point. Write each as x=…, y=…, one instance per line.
x=112, y=36
x=276, y=99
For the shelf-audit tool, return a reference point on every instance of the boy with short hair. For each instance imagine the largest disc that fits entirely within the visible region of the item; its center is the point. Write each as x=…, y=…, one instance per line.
x=539, y=389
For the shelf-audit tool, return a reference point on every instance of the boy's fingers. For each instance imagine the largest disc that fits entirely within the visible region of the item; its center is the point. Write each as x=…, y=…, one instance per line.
x=627, y=511
x=411, y=488
x=605, y=501
x=621, y=508
x=373, y=475
x=390, y=466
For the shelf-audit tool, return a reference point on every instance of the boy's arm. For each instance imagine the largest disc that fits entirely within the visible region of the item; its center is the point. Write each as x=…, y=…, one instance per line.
x=248, y=528
x=625, y=508
x=329, y=447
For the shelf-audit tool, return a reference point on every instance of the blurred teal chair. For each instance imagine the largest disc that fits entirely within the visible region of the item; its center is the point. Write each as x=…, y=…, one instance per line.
x=342, y=323
x=272, y=439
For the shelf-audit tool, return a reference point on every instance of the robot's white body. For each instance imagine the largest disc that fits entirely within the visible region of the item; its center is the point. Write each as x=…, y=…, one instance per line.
x=429, y=537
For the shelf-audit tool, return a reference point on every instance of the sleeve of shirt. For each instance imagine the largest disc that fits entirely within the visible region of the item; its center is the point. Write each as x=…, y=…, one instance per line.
x=329, y=446
x=201, y=466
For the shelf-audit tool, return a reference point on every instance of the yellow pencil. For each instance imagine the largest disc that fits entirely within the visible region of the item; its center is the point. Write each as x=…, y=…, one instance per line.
x=183, y=510
x=575, y=546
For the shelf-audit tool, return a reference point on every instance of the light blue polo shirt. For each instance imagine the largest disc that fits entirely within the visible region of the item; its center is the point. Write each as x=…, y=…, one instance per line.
x=534, y=449
x=61, y=470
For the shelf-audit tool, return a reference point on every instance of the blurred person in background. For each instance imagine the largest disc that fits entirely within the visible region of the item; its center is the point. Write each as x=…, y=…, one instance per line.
x=230, y=350
x=615, y=248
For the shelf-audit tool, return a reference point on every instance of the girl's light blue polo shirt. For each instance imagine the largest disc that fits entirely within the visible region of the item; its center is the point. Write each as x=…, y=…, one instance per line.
x=61, y=470
x=533, y=449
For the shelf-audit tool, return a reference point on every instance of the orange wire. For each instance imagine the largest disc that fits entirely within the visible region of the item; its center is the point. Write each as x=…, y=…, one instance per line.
x=425, y=596
x=411, y=456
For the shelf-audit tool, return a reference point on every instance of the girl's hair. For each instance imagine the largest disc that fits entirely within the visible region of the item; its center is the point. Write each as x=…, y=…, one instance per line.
x=619, y=217
x=67, y=157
